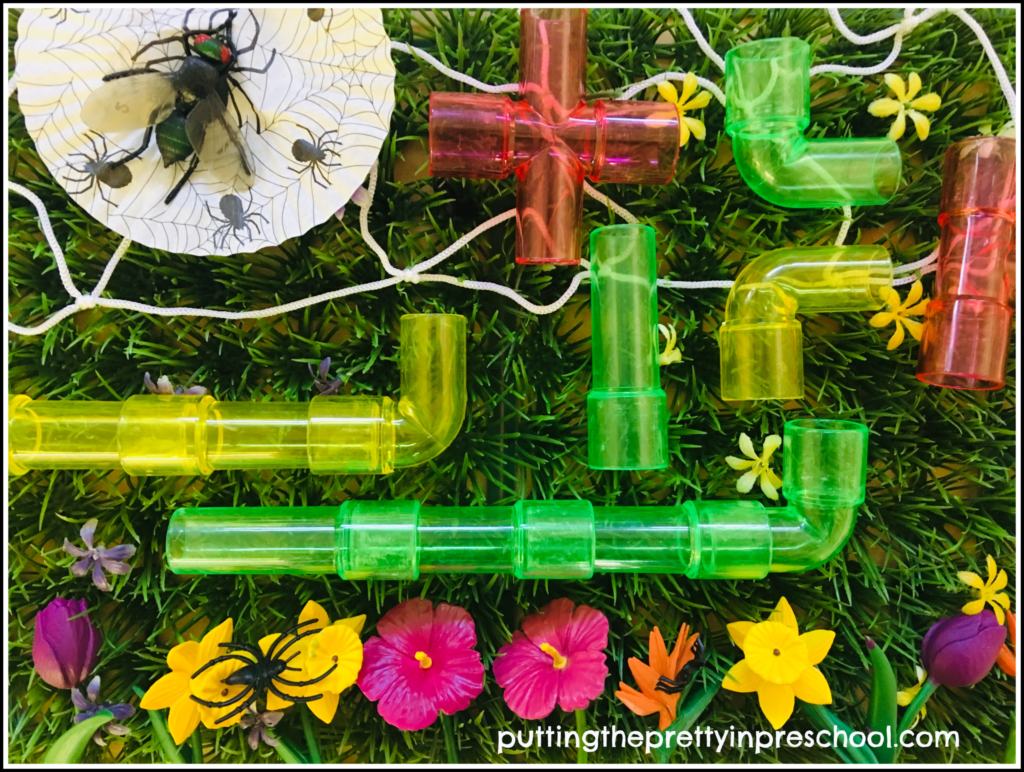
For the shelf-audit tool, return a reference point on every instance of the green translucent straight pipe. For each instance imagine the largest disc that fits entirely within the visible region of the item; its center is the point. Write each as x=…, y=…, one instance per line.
x=824, y=468
x=152, y=434
x=768, y=109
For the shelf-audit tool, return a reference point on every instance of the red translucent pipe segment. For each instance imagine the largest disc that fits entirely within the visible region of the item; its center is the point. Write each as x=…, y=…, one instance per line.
x=967, y=325
x=552, y=139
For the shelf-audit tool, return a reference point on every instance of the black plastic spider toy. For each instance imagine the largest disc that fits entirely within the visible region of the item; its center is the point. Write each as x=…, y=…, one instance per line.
x=186, y=108
x=678, y=684
x=313, y=152
x=263, y=674
x=237, y=217
x=98, y=170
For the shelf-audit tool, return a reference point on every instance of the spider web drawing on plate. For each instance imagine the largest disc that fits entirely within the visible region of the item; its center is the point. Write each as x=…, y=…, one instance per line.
x=315, y=120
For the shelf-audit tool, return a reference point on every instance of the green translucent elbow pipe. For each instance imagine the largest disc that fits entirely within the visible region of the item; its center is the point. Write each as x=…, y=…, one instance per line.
x=768, y=109
x=824, y=469
x=190, y=435
x=761, y=340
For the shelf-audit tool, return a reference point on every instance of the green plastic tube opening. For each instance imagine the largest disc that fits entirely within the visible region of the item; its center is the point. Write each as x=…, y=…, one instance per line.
x=768, y=108
x=627, y=410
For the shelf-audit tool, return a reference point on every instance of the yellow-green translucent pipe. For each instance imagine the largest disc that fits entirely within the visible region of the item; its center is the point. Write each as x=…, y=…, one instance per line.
x=190, y=435
x=761, y=340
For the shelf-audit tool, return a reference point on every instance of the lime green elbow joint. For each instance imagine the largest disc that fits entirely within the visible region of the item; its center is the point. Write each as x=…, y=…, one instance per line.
x=768, y=109
x=825, y=469
x=761, y=340
x=191, y=435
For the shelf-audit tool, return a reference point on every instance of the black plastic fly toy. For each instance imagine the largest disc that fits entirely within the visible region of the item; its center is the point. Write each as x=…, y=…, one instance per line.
x=678, y=684
x=186, y=108
x=263, y=674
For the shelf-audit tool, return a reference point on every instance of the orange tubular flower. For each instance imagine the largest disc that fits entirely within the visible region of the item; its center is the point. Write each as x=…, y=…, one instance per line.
x=1007, y=659
x=647, y=700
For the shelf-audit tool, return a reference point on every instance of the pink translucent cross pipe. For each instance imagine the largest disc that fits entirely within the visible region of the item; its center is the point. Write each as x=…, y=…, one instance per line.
x=552, y=139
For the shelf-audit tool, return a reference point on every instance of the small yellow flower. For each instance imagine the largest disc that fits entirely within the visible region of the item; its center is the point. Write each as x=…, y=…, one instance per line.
x=988, y=592
x=683, y=103
x=905, y=697
x=899, y=312
x=779, y=663
x=758, y=466
x=671, y=353
x=882, y=108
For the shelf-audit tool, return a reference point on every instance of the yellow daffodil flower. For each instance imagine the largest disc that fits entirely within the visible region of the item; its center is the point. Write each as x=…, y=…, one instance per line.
x=988, y=592
x=905, y=697
x=210, y=686
x=759, y=466
x=175, y=689
x=671, y=353
x=905, y=104
x=333, y=644
x=898, y=312
x=683, y=102
x=779, y=664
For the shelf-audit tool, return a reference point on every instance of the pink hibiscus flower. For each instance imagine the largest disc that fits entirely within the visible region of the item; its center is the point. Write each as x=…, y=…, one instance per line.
x=423, y=662
x=560, y=658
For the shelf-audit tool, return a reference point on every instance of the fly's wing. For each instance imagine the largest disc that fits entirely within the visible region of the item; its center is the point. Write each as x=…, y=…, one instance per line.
x=129, y=103
x=221, y=148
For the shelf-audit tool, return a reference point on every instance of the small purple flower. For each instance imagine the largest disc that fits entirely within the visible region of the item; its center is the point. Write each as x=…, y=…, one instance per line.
x=98, y=558
x=64, y=649
x=163, y=386
x=89, y=706
x=322, y=381
x=259, y=722
x=360, y=196
x=961, y=650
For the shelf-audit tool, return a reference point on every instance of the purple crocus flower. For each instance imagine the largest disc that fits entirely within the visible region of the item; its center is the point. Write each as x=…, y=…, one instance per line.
x=98, y=558
x=961, y=650
x=259, y=723
x=163, y=386
x=89, y=706
x=64, y=649
x=321, y=379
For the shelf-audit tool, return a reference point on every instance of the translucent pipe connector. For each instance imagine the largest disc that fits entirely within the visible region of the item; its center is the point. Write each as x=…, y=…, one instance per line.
x=552, y=139
x=191, y=435
x=967, y=324
x=768, y=109
x=761, y=341
x=824, y=468
x=627, y=410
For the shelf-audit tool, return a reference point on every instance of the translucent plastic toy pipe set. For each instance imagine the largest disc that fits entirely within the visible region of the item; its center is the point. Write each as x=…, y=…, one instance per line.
x=552, y=139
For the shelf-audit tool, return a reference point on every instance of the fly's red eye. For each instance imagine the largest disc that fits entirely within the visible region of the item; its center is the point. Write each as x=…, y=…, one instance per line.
x=224, y=54
x=201, y=38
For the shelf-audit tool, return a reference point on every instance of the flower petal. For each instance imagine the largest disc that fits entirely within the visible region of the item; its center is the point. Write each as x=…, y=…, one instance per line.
x=99, y=578
x=897, y=336
x=929, y=102
x=913, y=86
x=767, y=488
x=974, y=607
x=998, y=609
x=738, y=632
x=81, y=567
x=921, y=123
x=895, y=82
x=684, y=132
x=121, y=711
x=587, y=631
x=636, y=702
x=747, y=447
x=812, y=687
x=526, y=674
x=313, y=610
x=79, y=700
x=582, y=680
x=120, y=552
x=356, y=623
x=210, y=646
x=882, y=319
x=689, y=86
x=739, y=463
x=88, y=532
x=699, y=102
x=668, y=92
x=773, y=478
x=324, y=708
x=784, y=613
x=916, y=290
x=695, y=126
x=746, y=482
x=183, y=717
x=657, y=653
x=458, y=679
x=990, y=565
x=335, y=647
x=971, y=579
x=914, y=328
x=74, y=551
x=407, y=627
x=741, y=678
x=883, y=108
x=899, y=126
x=92, y=691
x=771, y=443
x=777, y=702
x=818, y=643
x=453, y=628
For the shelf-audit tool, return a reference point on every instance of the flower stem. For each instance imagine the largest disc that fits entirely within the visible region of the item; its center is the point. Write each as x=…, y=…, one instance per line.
x=311, y=741
x=449, y=738
x=197, y=746
x=581, y=727
x=927, y=690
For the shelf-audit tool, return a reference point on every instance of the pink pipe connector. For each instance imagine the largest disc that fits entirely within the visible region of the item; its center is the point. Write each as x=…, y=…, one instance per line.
x=967, y=324
x=552, y=139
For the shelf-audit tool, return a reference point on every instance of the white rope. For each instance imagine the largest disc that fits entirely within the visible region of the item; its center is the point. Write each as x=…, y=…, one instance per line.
x=912, y=278
x=620, y=210
x=1004, y=80
x=924, y=261
x=643, y=85
x=44, y=225
x=709, y=52
x=454, y=74
x=844, y=229
x=714, y=284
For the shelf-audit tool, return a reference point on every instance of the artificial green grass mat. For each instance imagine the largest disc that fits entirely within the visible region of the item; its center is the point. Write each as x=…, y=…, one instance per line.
x=941, y=477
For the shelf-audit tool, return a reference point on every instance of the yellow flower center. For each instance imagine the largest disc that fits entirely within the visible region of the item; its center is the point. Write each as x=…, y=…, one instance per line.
x=424, y=660
x=559, y=661
x=775, y=652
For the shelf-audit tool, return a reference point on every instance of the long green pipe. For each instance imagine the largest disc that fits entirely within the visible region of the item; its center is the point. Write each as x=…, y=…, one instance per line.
x=824, y=469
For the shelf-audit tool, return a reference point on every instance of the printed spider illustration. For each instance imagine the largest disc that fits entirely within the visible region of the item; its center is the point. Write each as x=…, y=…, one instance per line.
x=237, y=217
x=97, y=170
x=264, y=673
x=316, y=15
x=313, y=152
x=678, y=684
x=185, y=108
